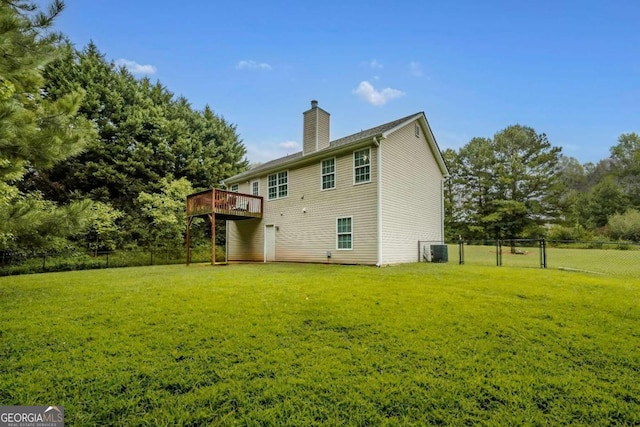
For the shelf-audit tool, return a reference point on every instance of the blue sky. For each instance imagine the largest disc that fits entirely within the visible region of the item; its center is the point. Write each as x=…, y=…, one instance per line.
x=570, y=69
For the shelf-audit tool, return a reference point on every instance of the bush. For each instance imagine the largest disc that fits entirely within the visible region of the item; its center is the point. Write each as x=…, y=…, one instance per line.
x=625, y=226
x=562, y=233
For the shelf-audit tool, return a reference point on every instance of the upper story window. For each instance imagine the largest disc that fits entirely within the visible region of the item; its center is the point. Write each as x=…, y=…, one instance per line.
x=255, y=188
x=234, y=188
x=278, y=185
x=362, y=166
x=328, y=174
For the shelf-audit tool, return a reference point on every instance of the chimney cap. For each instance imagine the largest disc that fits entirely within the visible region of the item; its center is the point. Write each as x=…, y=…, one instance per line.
x=314, y=103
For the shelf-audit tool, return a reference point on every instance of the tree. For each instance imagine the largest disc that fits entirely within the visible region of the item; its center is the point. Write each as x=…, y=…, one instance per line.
x=145, y=135
x=626, y=165
x=471, y=184
x=164, y=212
x=572, y=174
x=35, y=132
x=605, y=199
x=103, y=232
x=507, y=185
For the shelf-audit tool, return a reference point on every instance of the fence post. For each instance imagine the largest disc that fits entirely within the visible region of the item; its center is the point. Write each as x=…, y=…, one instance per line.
x=498, y=253
x=543, y=244
x=107, y=259
x=461, y=251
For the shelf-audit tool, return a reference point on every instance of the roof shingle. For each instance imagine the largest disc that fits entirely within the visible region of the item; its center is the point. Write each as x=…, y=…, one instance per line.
x=350, y=139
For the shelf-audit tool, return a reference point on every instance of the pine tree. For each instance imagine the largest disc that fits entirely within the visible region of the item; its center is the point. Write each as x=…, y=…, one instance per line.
x=35, y=132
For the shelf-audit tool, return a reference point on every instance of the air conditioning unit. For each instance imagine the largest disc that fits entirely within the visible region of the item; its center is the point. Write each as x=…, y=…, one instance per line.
x=439, y=253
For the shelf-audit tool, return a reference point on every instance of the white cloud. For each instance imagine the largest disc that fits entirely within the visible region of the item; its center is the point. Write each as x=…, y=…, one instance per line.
x=252, y=65
x=134, y=67
x=374, y=64
x=416, y=69
x=288, y=145
x=373, y=96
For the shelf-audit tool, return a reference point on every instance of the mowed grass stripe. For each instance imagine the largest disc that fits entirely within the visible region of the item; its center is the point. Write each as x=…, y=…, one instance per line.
x=285, y=344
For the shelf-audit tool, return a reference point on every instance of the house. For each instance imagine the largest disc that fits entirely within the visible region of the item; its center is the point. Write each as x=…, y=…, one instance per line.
x=367, y=198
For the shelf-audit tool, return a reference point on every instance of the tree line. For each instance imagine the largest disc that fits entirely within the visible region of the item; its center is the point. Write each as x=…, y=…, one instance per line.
x=90, y=156
x=518, y=185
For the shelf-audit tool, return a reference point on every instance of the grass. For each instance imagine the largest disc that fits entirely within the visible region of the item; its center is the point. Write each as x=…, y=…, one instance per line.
x=282, y=344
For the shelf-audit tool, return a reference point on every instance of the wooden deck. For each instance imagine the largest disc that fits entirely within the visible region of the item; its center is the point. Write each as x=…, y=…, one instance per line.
x=220, y=204
x=224, y=204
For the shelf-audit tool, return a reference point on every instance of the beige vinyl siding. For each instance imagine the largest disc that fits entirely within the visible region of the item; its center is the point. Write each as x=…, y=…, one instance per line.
x=411, y=195
x=315, y=133
x=323, y=129
x=309, y=131
x=245, y=240
x=245, y=237
x=308, y=236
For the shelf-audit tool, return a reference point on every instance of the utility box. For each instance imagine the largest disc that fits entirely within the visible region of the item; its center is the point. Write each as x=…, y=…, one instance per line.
x=439, y=253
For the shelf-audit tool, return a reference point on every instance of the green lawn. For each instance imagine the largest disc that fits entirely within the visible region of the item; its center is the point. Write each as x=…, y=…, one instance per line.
x=304, y=345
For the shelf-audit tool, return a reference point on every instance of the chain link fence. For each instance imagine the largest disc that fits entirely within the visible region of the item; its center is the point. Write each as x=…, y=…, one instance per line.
x=608, y=258
x=12, y=263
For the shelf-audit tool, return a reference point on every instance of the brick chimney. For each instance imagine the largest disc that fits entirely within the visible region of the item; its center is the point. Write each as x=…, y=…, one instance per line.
x=315, y=133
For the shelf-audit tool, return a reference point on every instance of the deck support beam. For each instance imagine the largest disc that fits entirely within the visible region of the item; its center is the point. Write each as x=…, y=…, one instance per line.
x=189, y=221
x=212, y=218
x=227, y=205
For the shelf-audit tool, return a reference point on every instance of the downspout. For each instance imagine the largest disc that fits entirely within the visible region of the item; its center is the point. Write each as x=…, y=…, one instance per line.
x=442, y=209
x=379, y=166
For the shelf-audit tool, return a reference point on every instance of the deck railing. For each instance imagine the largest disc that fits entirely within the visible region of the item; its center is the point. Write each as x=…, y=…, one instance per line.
x=223, y=202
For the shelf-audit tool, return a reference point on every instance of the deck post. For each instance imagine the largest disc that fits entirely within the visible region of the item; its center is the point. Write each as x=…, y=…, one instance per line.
x=227, y=205
x=212, y=217
x=188, y=240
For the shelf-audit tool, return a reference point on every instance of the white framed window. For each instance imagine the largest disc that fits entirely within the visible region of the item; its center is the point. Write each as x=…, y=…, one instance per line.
x=234, y=188
x=278, y=185
x=255, y=188
x=362, y=166
x=328, y=174
x=344, y=233
x=418, y=130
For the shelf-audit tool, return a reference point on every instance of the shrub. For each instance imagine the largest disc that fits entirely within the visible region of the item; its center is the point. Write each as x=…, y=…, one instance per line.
x=562, y=233
x=625, y=226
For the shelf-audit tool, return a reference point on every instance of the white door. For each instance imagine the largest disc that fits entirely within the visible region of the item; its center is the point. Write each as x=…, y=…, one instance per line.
x=269, y=243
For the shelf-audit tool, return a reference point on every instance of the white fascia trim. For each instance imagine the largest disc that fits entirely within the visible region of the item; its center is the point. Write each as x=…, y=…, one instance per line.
x=428, y=135
x=378, y=144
